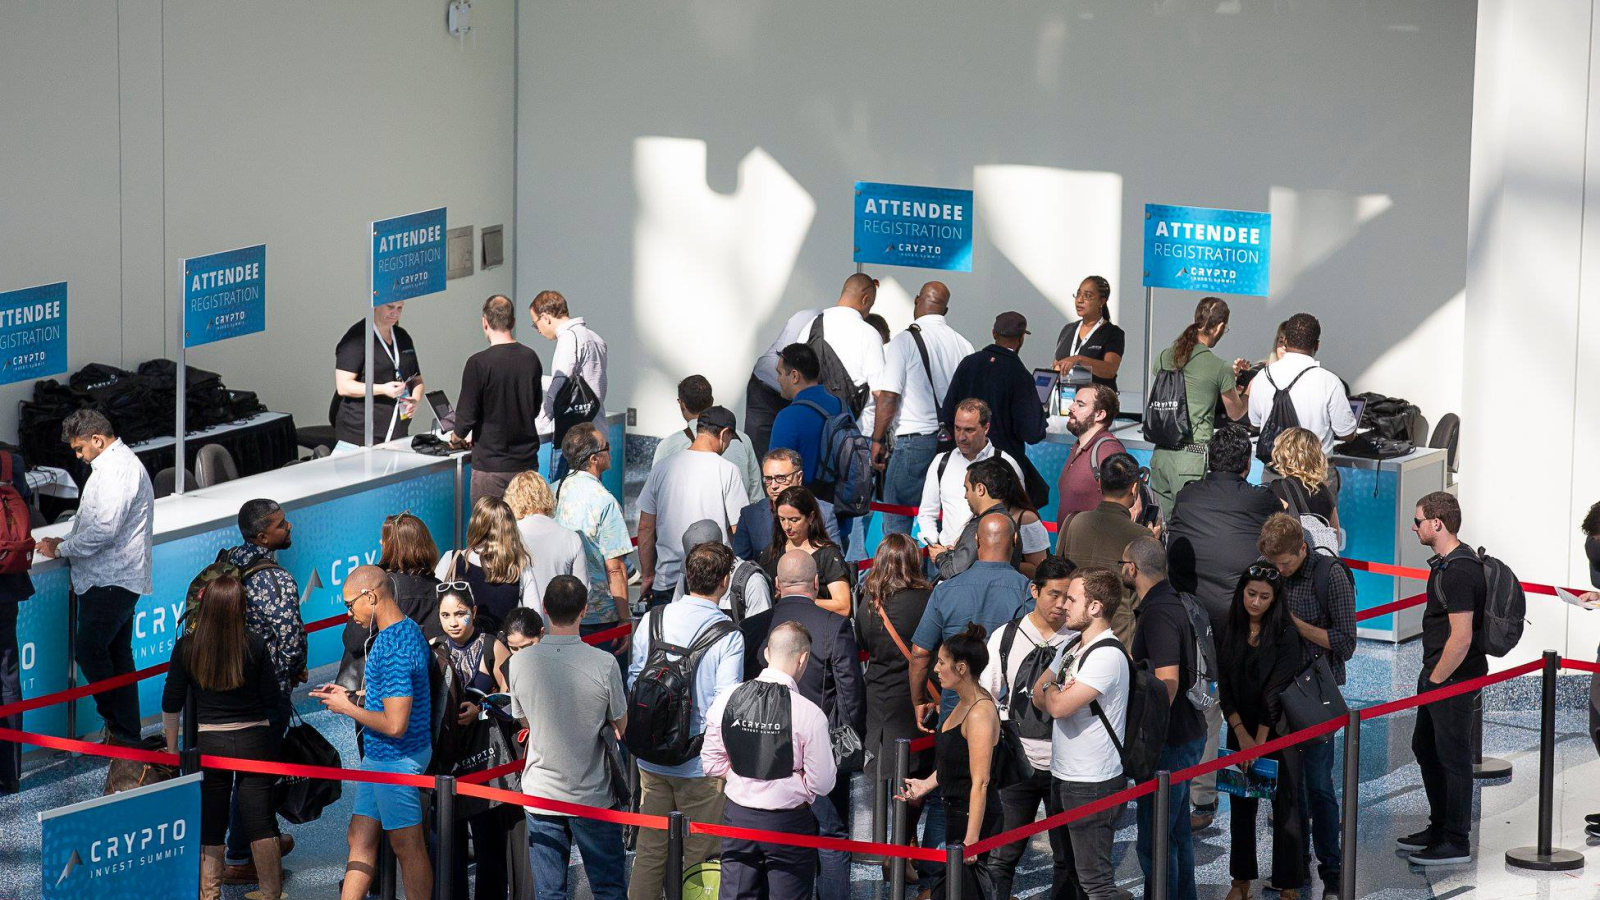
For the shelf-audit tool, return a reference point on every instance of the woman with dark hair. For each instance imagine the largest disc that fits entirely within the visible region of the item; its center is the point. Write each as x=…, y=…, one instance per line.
x=964, y=753
x=1207, y=380
x=1032, y=539
x=1259, y=655
x=238, y=705
x=407, y=552
x=1092, y=341
x=797, y=525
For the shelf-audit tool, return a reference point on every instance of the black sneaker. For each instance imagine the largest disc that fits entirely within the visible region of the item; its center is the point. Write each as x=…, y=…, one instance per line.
x=1592, y=830
x=1421, y=840
x=1441, y=855
x=1592, y=818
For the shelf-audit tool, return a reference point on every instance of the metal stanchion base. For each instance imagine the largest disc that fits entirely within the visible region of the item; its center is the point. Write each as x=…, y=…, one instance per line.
x=1491, y=767
x=1557, y=860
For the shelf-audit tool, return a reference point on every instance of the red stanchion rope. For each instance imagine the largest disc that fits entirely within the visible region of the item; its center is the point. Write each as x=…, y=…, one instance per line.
x=1445, y=693
x=820, y=843
x=1582, y=665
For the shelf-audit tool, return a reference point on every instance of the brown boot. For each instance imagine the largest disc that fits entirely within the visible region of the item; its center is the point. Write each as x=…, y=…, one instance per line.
x=211, y=872
x=1289, y=894
x=267, y=855
x=1241, y=891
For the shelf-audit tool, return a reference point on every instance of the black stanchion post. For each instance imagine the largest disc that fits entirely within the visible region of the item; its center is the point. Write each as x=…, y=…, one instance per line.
x=898, y=817
x=1352, y=803
x=880, y=813
x=1484, y=767
x=72, y=661
x=1161, y=846
x=1544, y=857
x=953, y=864
x=388, y=883
x=675, y=833
x=189, y=760
x=444, y=804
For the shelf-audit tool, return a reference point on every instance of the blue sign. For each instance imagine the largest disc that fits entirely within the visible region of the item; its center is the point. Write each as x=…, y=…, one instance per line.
x=922, y=227
x=408, y=256
x=33, y=332
x=1223, y=251
x=129, y=846
x=224, y=295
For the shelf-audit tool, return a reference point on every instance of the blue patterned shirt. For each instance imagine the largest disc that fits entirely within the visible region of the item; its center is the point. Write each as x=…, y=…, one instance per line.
x=584, y=505
x=397, y=666
x=272, y=611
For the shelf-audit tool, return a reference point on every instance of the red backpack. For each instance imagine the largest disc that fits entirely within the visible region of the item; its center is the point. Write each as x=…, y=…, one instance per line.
x=16, y=528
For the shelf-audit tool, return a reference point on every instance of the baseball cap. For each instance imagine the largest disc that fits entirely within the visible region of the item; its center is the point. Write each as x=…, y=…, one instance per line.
x=704, y=531
x=1011, y=324
x=719, y=417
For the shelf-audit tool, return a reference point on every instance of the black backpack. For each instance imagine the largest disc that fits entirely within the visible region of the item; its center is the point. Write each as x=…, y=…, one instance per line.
x=1281, y=418
x=1166, y=415
x=1145, y=728
x=662, y=698
x=1030, y=721
x=835, y=377
x=845, y=470
x=1505, y=607
x=1201, y=694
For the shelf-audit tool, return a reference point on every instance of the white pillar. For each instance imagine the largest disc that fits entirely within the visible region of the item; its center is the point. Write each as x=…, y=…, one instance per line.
x=1529, y=442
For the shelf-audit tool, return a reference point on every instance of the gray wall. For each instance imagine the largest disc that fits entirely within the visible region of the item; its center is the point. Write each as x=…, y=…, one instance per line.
x=140, y=132
x=685, y=167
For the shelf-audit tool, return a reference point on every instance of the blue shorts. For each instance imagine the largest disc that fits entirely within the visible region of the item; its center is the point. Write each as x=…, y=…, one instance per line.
x=393, y=806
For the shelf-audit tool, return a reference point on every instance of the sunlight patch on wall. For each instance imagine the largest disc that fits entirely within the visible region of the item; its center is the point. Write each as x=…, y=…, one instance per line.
x=1055, y=225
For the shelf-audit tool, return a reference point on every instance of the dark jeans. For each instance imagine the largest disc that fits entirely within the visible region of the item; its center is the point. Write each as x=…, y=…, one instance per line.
x=761, y=406
x=1288, y=826
x=831, y=815
x=1322, y=806
x=258, y=809
x=104, y=648
x=1020, y=806
x=757, y=870
x=488, y=850
x=1443, y=747
x=904, y=476
x=657, y=597
x=550, y=840
x=1093, y=836
x=1180, y=849
x=489, y=484
x=10, y=692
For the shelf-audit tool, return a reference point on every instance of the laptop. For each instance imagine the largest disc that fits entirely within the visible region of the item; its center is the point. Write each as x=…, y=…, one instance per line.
x=1044, y=381
x=1357, y=407
x=443, y=412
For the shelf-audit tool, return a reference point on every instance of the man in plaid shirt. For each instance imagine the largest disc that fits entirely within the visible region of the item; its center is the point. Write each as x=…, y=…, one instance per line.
x=1322, y=599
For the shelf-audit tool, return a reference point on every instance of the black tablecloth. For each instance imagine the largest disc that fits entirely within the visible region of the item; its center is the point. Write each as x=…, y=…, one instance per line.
x=256, y=447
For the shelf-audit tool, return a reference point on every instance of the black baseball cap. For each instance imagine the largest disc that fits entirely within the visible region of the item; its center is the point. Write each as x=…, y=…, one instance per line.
x=720, y=417
x=1011, y=324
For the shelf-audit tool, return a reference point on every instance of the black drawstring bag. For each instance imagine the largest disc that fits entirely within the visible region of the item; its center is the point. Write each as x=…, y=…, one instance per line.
x=758, y=731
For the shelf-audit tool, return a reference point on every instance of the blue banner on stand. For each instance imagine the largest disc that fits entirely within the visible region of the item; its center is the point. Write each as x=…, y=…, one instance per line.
x=134, y=845
x=33, y=332
x=224, y=295
x=408, y=258
x=1223, y=251
x=921, y=227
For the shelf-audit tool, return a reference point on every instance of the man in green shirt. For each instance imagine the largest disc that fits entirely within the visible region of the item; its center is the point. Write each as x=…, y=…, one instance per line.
x=1207, y=378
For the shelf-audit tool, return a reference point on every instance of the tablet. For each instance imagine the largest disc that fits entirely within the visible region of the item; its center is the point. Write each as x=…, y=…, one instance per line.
x=1044, y=381
x=1357, y=407
x=442, y=410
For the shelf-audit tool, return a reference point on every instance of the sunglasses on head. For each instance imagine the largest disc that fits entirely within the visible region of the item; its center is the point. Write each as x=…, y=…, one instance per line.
x=446, y=587
x=1264, y=573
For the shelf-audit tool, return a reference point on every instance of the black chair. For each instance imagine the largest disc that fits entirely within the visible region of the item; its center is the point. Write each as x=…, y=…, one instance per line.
x=166, y=482
x=1446, y=437
x=214, y=465
x=313, y=436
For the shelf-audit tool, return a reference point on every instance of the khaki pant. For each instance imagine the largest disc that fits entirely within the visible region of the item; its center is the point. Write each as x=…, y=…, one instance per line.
x=489, y=484
x=1170, y=470
x=700, y=800
x=1203, y=790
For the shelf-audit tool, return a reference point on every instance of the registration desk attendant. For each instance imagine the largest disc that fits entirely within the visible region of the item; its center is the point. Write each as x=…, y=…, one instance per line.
x=1092, y=341
x=337, y=505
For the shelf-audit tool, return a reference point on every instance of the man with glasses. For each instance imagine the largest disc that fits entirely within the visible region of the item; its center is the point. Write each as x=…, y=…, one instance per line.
x=1322, y=600
x=781, y=469
x=584, y=505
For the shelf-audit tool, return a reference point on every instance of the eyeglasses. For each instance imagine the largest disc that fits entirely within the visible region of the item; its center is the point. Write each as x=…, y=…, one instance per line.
x=350, y=605
x=1085, y=295
x=603, y=448
x=778, y=479
x=390, y=520
x=1417, y=523
x=1125, y=562
x=1263, y=573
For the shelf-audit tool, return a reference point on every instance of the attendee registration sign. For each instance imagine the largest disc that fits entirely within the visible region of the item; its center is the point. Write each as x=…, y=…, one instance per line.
x=408, y=258
x=922, y=227
x=224, y=295
x=139, y=843
x=33, y=332
x=1192, y=248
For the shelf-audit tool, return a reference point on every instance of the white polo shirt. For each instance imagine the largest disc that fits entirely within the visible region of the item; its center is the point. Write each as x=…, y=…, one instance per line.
x=904, y=374
x=767, y=366
x=948, y=494
x=858, y=346
x=1319, y=398
x=1081, y=747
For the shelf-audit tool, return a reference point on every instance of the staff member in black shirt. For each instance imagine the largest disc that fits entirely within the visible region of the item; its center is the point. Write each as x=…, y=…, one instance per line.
x=997, y=376
x=394, y=365
x=502, y=392
x=1092, y=341
x=1442, y=740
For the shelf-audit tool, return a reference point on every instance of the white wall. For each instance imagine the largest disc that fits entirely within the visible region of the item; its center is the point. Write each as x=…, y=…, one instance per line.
x=140, y=132
x=685, y=167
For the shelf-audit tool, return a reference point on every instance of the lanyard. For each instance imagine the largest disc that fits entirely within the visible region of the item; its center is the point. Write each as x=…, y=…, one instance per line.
x=393, y=353
x=1078, y=342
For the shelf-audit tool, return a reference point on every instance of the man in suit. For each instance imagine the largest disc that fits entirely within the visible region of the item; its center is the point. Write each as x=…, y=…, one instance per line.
x=781, y=469
x=834, y=658
x=997, y=376
x=1212, y=540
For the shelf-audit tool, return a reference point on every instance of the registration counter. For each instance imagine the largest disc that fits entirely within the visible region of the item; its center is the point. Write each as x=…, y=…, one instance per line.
x=336, y=506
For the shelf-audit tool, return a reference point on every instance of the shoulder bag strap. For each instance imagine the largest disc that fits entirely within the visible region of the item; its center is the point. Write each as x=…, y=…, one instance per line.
x=1007, y=638
x=927, y=365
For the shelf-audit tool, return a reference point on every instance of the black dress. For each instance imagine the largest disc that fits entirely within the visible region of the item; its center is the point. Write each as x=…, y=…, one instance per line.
x=888, y=690
x=953, y=761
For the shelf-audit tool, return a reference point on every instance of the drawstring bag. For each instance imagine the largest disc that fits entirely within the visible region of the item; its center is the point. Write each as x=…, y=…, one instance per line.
x=758, y=731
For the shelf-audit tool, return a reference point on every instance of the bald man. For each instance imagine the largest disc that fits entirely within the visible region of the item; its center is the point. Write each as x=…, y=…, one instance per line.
x=502, y=394
x=834, y=659
x=907, y=393
x=394, y=716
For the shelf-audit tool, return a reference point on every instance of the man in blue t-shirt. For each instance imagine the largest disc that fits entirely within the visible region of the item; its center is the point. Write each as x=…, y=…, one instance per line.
x=799, y=427
x=395, y=716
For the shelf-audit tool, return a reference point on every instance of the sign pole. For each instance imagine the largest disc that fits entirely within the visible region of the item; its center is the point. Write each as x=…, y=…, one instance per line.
x=366, y=410
x=1149, y=342
x=182, y=383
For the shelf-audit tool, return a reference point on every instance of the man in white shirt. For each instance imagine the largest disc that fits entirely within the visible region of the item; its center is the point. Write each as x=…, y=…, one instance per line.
x=1319, y=397
x=1087, y=695
x=1015, y=653
x=944, y=510
x=857, y=344
x=109, y=549
x=907, y=394
x=694, y=484
x=694, y=398
x=763, y=398
x=579, y=352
